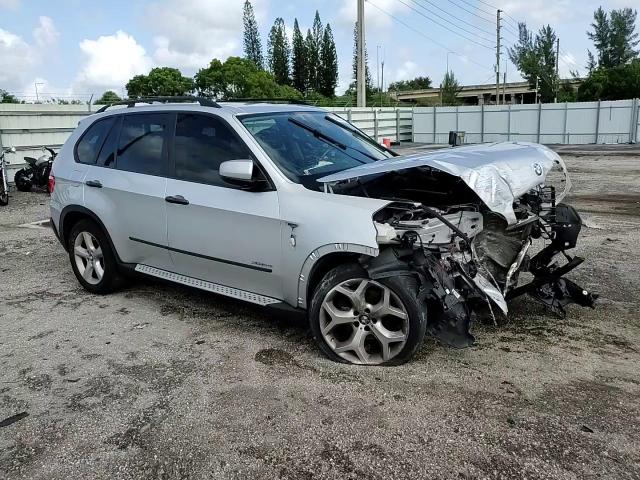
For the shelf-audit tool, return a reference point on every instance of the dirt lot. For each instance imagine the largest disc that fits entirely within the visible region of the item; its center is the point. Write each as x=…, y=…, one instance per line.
x=164, y=382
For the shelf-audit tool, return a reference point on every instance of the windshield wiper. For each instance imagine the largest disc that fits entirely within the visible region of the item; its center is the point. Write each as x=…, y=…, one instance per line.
x=318, y=134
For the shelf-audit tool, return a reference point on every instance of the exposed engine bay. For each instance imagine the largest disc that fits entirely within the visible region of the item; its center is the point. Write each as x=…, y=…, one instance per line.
x=468, y=222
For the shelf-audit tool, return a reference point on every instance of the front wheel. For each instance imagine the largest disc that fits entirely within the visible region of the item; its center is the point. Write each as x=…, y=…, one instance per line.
x=358, y=320
x=22, y=181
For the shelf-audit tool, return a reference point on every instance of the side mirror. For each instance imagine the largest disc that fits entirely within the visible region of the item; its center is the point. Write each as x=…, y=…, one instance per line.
x=242, y=173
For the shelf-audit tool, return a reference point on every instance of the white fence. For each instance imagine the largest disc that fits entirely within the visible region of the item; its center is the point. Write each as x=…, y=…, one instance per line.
x=29, y=127
x=566, y=123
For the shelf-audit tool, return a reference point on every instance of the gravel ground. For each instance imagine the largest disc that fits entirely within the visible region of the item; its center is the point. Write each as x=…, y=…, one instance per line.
x=160, y=381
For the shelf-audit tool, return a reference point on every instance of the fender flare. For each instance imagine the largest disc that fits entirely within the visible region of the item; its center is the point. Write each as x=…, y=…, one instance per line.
x=85, y=211
x=320, y=252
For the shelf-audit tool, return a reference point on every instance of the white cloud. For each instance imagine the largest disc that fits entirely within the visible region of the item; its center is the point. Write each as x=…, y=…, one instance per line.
x=18, y=58
x=189, y=33
x=407, y=71
x=538, y=11
x=374, y=17
x=11, y=4
x=110, y=61
x=45, y=33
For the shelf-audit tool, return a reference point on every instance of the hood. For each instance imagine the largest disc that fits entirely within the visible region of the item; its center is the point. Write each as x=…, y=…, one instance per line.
x=498, y=173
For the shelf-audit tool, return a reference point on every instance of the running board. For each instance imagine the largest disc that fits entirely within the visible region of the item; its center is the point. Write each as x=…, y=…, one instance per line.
x=208, y=286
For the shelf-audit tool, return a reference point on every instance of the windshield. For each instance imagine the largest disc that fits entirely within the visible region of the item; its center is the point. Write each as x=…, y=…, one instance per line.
x=310, y=145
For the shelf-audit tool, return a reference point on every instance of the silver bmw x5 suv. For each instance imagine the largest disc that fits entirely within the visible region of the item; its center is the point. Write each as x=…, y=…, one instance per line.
x=288, y=205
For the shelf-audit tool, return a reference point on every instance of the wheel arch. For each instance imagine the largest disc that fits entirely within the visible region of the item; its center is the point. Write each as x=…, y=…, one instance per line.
x=323, y=259
x=71, y=215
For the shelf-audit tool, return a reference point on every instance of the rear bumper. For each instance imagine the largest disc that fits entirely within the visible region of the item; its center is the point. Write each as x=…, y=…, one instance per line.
x=55, y=231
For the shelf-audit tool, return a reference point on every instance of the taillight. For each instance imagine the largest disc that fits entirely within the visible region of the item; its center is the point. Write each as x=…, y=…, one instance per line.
x=52, y=183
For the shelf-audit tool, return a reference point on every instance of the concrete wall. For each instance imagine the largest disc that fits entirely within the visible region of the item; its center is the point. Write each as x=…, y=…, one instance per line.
x=568, y=123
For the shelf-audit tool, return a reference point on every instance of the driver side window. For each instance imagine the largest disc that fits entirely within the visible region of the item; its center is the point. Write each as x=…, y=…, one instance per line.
x=202, y=143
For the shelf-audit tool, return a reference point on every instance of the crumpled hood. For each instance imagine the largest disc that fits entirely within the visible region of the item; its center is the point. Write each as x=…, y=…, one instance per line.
x=497, y=172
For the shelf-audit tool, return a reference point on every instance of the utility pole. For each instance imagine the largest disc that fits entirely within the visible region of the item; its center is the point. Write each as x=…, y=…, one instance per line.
x=555, y=100
x=498, y=57
x=361, y=86
x=537, y=80
x=378, y=70
x=382, y=81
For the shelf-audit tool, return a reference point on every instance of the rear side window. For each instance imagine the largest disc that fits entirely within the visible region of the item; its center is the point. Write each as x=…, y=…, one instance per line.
x=202, y=143
x=142, y=147
x=89, y=145
x=107, y=155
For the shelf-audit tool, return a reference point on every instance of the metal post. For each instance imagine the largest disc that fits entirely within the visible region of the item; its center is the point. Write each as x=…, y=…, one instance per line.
x=397, y=125
x=361, y=75
x=457, y=121
x=564, y=129
x=539, y=121
x=555, y=100
x=434, y=124
x=375, y=125
x=349, y=116
x=633, y=118
x=498, y=57
x=482, y=123
x=509, y=124
x=598, y=122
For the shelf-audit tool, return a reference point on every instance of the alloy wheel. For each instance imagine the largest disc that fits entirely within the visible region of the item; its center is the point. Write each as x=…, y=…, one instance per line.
x=89, y=258
x=364, y=322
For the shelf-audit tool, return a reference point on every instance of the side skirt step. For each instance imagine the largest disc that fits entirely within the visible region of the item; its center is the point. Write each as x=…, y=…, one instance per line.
x=208, y=286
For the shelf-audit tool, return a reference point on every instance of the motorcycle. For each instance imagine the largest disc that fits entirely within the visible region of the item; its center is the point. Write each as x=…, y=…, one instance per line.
x=36, y=172
x=4, y=187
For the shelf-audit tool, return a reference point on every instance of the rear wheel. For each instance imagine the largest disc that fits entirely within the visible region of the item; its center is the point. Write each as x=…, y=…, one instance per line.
x=358, y=320
x=22, y=180
x=92, y=258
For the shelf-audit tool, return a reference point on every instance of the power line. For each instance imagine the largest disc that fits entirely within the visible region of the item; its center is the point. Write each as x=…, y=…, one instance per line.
x=490, y=14
x=458, y=18
x=447, y=28
x=419, y=32
x=472, y=13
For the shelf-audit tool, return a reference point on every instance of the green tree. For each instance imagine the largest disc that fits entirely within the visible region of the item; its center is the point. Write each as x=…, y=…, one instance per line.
x=6, y=97
x=614, y=36
x=278, y=52
x=449, y=89
x=252, y=42
x=328, y=76
x=536, y=59
x=107, y=98
x=616, y=83
x=367, y=75
x=299, y=64
x=313, y=60
x=240, y=78
x=418, y=83
x=161, y=81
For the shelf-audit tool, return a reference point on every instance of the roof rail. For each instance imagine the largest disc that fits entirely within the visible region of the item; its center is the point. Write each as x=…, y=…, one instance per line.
x=203, y=101
x=291, y=101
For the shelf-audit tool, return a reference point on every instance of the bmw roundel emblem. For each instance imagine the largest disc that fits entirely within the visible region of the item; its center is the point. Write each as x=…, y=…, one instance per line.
x=537, y=168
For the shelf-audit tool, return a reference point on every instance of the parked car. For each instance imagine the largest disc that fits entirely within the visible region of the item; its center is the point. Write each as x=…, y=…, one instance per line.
x=287, y=205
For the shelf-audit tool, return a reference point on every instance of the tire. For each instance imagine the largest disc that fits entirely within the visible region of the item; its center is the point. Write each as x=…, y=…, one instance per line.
x=88, y=244
x=371, y=326
x=23, y=184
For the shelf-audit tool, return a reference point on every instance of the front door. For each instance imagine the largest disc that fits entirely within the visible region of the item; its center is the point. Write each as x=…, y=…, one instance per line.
x=216, y=231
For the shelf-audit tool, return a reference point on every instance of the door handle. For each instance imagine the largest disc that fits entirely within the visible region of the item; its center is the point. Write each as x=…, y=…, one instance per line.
x=177, y=199
x=93, y=183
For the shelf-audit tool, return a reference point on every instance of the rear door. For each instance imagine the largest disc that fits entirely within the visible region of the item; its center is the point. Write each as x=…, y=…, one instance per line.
x=220, y=233
x=126, y=187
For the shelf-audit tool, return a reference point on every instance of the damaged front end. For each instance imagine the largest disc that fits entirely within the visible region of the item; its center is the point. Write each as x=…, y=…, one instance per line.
x=469, y=231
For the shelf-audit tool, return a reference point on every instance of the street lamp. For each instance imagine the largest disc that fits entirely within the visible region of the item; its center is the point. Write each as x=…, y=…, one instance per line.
x=36, y=85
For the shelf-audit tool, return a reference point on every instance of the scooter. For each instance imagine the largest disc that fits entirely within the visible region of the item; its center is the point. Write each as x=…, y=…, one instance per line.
x=36, y=172
x=4, y=187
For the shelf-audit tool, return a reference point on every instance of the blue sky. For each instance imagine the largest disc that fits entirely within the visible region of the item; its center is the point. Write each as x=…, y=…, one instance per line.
x=78, y=48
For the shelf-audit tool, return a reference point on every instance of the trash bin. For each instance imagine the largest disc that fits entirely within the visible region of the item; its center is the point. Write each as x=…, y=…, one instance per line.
x=456, y=138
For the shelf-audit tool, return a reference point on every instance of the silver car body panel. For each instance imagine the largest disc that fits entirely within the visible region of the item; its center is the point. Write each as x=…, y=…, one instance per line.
x=497, y=172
